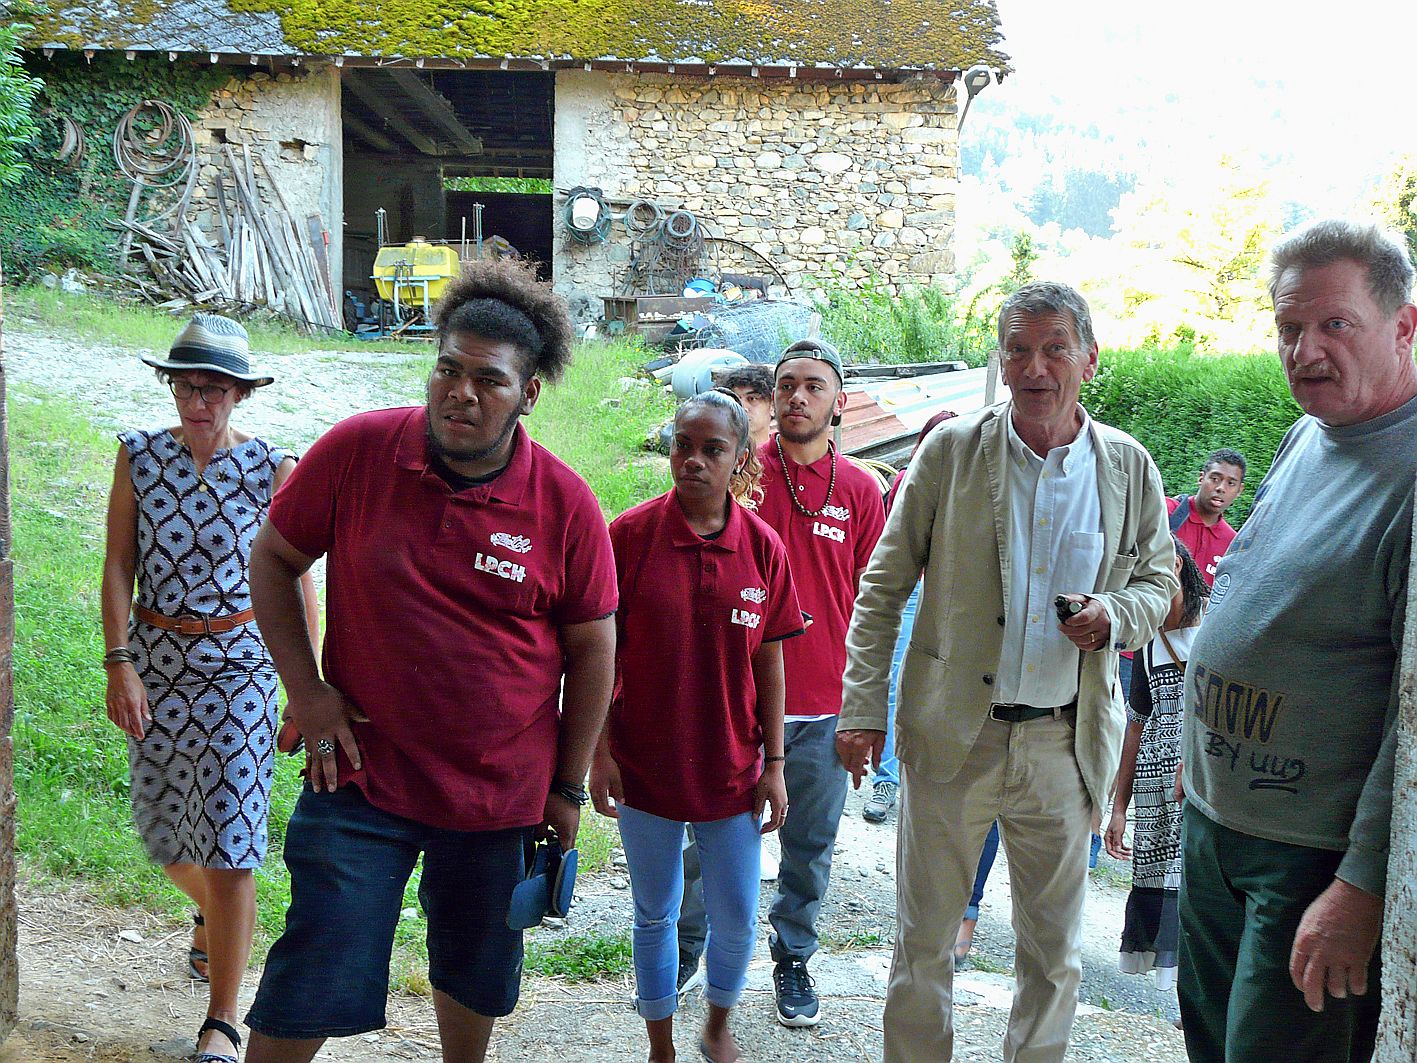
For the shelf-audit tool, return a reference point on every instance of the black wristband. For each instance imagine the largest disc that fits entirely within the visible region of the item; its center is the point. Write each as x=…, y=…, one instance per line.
x=773, y=760
x=577, y=795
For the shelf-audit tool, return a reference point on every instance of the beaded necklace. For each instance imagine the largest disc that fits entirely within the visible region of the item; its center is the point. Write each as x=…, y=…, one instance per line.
x=792, y=487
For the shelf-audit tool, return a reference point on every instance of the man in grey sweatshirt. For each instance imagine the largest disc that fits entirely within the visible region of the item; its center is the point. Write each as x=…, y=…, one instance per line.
x=1292, y=685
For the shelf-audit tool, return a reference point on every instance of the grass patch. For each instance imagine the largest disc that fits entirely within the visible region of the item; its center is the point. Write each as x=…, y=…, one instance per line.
x=99, y=318
x=982, y=962
x=580, y=957
x=853, y=940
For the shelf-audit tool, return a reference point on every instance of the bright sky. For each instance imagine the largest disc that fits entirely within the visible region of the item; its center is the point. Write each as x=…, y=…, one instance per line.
x=1329, y=88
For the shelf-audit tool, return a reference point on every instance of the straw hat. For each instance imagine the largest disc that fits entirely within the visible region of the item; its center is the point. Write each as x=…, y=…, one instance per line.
x=215, y=343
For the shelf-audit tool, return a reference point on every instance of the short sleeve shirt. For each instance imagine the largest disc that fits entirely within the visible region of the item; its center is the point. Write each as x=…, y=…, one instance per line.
x=443, y=613
x=685, y=729
x=1207, y=544
x=825, y=553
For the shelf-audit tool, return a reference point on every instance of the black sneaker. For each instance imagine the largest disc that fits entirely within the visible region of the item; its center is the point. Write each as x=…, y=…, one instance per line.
x=691, y=976
x=796, y=993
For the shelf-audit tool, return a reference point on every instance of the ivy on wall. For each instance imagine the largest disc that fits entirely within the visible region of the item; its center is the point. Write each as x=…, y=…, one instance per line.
x=57, y=214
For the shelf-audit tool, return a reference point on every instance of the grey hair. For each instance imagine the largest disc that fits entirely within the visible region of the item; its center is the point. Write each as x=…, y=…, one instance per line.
x=1049, y=297
x=1321, y=243
x=720, y=400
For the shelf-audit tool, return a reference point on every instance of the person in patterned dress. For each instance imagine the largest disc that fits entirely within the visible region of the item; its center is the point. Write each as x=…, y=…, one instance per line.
x=1146, y=776
x=189, y=679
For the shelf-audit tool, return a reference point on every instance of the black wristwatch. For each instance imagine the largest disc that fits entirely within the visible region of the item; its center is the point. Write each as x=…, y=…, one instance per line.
x=577, y=795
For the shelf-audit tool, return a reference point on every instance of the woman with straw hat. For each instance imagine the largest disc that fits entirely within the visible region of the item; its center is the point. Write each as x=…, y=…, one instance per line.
x=189, y=679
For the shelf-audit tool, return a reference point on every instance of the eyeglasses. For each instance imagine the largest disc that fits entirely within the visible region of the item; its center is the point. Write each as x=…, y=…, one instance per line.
x=211, y=393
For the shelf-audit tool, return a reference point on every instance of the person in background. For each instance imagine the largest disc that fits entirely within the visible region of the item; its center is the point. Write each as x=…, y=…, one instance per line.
x=190, y=681
x=700, y=741
x=753, y=385
x=1151, y=749
x=1007, y=711
x=1293, y=680
x=1199, y=520
x=886, y=781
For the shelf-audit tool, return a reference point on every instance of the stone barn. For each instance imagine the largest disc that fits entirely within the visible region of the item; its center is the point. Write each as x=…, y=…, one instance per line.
x=811, y=138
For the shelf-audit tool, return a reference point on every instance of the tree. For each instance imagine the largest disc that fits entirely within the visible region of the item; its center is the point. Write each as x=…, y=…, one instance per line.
x=1397, y=201
x=17, y=92
x=1196, y=258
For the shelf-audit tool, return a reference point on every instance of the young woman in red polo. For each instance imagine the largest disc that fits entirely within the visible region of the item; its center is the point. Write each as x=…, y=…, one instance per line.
x=695, y=735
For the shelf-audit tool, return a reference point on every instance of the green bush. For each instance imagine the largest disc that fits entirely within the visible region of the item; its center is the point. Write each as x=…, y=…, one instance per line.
x=870, y=324
x=57, y=216
x=1182, y=406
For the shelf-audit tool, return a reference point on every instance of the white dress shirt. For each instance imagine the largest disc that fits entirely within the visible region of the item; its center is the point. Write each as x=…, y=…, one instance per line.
x=1055, y=547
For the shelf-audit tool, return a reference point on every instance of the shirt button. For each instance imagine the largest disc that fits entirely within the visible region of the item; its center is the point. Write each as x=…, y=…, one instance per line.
x=1030, y=667
x=988, y=680
x=1033, y=619
x=1041, y=569
x=1000, y=620
x=1043, y=522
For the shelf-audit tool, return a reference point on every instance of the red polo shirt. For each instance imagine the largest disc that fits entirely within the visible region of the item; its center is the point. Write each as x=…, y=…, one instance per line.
x=1206, y=544
x=684, y=731
x=826, y=552
x=443, y=610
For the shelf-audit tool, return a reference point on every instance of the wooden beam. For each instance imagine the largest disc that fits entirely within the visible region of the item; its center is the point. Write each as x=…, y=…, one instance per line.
x=436, y=108
x=397, y=122
x=367, y=133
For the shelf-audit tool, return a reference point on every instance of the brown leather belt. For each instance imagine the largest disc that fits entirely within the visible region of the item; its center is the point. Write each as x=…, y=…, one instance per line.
x=194, y=625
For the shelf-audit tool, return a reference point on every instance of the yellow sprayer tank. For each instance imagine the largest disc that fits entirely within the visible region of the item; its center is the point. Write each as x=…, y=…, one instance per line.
x=414, y=273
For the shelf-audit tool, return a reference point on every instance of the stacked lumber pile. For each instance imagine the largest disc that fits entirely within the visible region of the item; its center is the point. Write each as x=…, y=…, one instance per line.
x=263, y=257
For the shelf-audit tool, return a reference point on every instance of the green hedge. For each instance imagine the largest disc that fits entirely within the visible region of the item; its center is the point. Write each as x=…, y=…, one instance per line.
x=1181, y=406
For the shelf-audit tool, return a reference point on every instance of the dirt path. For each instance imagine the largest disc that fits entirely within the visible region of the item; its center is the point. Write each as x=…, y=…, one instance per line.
x=105, y=984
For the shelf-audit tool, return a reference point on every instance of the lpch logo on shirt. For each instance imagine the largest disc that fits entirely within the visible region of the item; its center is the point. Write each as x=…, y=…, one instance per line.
x=828, y=531
x=747, y=619
x=498, y=567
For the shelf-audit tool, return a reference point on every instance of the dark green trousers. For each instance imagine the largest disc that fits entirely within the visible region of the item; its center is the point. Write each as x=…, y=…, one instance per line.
x=1241, y=902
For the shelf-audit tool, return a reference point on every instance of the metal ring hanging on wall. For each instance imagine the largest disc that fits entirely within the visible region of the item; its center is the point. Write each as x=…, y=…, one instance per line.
x=161, y=157
x=643, y=217
x=680, y=227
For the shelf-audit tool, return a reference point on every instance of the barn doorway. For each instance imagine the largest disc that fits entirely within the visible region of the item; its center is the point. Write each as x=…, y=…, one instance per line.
x=426, y=146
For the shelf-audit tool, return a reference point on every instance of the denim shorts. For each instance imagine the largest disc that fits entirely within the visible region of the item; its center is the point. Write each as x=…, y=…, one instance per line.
x=328, y=974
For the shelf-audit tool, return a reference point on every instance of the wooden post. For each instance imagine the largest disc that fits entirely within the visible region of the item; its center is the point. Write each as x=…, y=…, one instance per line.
x=9, y=969
x=1397, y=1035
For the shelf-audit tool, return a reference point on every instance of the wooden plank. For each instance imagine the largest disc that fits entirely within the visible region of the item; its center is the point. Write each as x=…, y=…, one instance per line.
x=367, y=133
x=436, y=108
x=382, y=106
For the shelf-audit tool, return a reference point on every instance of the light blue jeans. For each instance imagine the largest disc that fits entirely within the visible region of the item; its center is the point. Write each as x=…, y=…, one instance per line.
x=889, y=771
x=730, y=855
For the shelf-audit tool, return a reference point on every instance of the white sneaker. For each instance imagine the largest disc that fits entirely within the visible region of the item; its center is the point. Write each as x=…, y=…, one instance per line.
x=769, y=865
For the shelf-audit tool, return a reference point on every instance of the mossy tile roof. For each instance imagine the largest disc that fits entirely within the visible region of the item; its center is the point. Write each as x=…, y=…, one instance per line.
x=880, y=34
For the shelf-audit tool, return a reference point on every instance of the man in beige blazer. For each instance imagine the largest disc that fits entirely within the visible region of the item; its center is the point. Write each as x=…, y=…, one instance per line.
x=1003, y=711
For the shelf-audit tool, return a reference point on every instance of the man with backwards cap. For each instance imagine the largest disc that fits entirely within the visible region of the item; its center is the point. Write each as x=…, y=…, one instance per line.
x=828, y=513
x=469, y=574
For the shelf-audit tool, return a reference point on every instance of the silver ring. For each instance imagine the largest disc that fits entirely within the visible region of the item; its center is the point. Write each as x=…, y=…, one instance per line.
x=325, y=747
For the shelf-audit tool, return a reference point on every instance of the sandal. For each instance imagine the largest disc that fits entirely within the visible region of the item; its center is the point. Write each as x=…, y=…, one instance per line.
x=226, y=1030
x=196, y=955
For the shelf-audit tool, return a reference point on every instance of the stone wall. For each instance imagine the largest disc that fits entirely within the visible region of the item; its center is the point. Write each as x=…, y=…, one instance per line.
x=823, y=177
x=293, y=120
x=1397, y=1041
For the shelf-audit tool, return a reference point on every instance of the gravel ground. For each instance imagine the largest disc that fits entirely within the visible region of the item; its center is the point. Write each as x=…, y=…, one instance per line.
x=89, y=991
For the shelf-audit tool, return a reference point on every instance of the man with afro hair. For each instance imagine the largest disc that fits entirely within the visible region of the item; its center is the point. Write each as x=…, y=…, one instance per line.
x=467, y=667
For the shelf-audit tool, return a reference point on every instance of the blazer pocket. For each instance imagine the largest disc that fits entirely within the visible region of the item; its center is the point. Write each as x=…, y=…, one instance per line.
x=1120, y=571
x=932, y=654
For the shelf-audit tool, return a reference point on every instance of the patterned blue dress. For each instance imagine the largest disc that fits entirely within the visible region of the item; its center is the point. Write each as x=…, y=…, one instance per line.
x=201, y=776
